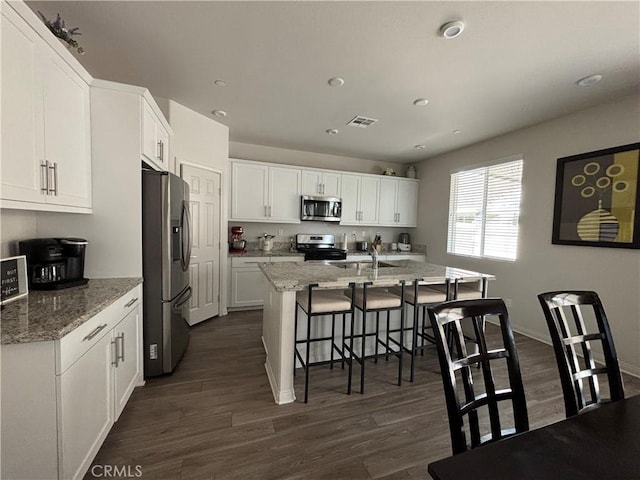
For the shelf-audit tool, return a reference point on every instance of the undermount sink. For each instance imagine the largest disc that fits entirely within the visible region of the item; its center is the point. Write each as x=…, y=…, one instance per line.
x=353, y=264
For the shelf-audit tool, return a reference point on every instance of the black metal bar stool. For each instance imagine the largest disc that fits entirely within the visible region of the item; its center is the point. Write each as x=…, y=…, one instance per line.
x=420, y=295
x=466, y=289
x=374, y=297
x=316, y=302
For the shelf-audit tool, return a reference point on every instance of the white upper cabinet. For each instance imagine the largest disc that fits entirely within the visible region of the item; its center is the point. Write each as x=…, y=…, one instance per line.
x=350, y=199
x=318, y=182
x=360, y=199
x=264, y=193
x=67, y=134
x=249, y=190
x=46, y=164
x=155, y=138
x=21, y=180
x=284, y=195
x=398, y=202
x=407, y=203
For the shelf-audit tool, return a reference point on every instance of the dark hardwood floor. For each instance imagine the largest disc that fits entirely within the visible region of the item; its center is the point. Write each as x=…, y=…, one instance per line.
x=215, y=417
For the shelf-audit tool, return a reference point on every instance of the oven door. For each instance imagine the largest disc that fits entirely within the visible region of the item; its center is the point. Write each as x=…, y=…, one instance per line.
x=325, y=254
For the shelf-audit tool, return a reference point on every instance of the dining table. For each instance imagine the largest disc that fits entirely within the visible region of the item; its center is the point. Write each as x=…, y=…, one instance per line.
x=600, y=443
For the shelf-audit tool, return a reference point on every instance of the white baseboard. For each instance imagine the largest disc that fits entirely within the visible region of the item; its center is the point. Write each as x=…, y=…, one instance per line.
x=283, y=397
x=627, y=368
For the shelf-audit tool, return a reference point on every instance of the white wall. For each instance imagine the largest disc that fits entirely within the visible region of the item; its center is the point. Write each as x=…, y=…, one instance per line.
x=198, y=140
x=201, y=141
x=614, y=273
x=15, y=225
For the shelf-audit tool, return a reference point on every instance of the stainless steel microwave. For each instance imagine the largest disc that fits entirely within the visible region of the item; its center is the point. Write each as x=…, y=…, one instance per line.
x=323, y=209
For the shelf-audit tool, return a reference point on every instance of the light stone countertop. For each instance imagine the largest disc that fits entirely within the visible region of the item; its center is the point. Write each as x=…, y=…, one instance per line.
x=45, y=315
x=272, y=253
x=294, y=276
x=287, y=253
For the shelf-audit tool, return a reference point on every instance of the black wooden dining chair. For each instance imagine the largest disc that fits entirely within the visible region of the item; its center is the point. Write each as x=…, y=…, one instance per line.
x=579, y=376
x=490, y=398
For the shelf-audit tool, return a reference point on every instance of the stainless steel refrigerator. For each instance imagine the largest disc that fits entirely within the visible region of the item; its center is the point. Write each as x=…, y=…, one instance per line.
x=166, y=249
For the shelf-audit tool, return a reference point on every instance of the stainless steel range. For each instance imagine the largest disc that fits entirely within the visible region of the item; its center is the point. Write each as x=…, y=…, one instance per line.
x=319, y=247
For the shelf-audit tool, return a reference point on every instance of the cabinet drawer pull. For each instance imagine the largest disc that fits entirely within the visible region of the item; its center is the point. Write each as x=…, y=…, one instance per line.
x=55, y=178
x=96, y=331
x=131, y=302
x=44, y=177
x=52, y=178
x=114, y=342
x=121, y=355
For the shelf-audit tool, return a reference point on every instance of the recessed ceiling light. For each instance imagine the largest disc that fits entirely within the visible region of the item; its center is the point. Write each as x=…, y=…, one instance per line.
x=420, y=102
x=332, y=131
x=590, y=80
x=420, y=147
x=220, y=83
x=219, y=113
x=457, y=131
x=452, y=29
x=336, y=82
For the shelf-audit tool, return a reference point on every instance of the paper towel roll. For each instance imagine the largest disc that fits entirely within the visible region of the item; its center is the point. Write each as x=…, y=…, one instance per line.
x=343, y=244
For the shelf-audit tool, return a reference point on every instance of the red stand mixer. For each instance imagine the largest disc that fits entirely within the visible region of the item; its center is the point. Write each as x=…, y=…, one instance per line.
x=237, y=243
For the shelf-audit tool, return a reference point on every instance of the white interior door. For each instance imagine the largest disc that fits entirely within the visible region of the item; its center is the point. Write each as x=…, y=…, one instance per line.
x=204, y=267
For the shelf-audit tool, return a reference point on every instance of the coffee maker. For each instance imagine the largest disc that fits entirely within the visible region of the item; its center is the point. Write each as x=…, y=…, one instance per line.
x=237, y=243
x=54, y=263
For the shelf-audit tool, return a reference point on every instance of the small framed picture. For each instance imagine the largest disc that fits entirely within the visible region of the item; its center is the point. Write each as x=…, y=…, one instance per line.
x=13, y=279
x=597, y=197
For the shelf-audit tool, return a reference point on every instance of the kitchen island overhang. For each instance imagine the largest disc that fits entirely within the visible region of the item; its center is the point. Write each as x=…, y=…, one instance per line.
x=283, y=281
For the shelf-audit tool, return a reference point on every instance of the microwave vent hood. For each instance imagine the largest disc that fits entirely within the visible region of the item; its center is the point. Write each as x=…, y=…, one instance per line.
x=320, y=209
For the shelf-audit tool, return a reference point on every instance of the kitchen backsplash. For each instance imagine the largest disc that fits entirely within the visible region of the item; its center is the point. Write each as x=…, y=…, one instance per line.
x=284, y=232
x=351, y=247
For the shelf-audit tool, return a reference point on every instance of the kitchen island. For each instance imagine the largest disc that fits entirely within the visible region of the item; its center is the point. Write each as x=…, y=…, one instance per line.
x=283, y=280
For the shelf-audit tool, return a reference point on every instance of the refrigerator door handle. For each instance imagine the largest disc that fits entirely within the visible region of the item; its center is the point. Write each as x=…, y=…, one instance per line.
x=186, y=236
x=182, y=299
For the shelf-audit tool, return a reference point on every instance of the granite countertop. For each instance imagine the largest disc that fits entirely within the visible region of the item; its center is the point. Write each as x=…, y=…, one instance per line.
x=287, y=253
x=293, y=276
x=45, y=315
x=272, y=253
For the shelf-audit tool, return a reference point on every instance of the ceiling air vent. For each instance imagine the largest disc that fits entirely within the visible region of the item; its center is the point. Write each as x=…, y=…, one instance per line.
x=361, y=122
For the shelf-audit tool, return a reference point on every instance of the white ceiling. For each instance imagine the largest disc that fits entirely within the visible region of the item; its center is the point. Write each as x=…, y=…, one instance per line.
x=515, y=64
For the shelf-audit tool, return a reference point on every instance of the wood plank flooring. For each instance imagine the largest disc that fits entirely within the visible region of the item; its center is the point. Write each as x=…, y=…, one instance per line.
x=215, y=417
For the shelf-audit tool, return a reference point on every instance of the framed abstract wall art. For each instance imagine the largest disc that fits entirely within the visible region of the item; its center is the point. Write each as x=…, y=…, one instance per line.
x=597, y=197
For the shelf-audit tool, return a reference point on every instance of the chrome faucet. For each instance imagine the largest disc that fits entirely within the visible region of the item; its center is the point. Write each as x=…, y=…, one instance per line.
x=374, y=255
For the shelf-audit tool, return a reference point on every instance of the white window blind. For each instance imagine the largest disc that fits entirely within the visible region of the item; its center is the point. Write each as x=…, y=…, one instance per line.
x=484, y=208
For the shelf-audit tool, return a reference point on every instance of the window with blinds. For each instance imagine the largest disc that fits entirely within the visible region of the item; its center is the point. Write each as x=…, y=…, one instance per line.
x=484, y=208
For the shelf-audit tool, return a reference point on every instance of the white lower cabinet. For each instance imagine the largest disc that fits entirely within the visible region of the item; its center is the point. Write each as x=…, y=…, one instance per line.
x=247, y=281
x=60, y=398
x=246, y=287
x=128, y=366
x=86, y=408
